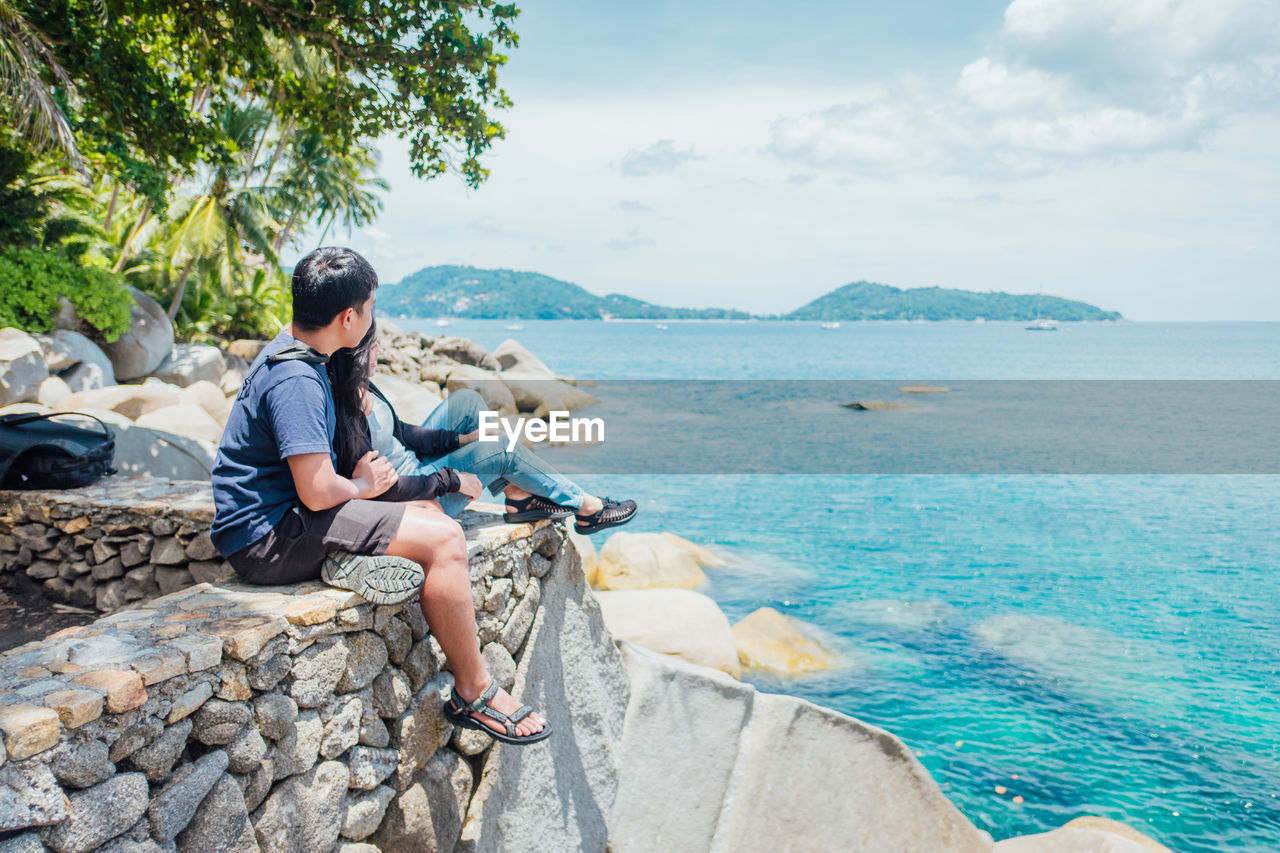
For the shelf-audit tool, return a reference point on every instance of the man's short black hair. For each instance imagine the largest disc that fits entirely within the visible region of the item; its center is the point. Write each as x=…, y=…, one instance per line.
x=327, y=282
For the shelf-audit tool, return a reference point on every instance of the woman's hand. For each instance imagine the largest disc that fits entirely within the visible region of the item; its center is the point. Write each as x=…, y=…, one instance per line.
x=374, y=475
x=467, y=437
x=469, y=485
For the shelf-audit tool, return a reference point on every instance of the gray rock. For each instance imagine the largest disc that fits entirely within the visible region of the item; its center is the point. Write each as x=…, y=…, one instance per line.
x=296, y=752
x=64, y=349
x=365, y=810
x=99, y=814
x=29, y=796
x=274, y=714
x=22, y=367
x=244, y=753
x=135, y=737
x=191, y=363
x=464, y=351
x=86, y=377
x=127, y=844
x=399, y=640
x=172, y=809
x=219, y=722
x=29, y=842
x=371, y=766
x=420, y=664
x=220, y=824
x=109, y=596
x=317, y=671
x=343, y=729
x=171, y=579
x=201, y=547
x=266, y=675
x=427, y=816
x=517, y=628
x=257, y=785
x=392, y=692
x=146, y=343
x=306, y=813
x=158, y=758
x=81, y=763
x=367, y=657
x=168, y=551
x=500, y=665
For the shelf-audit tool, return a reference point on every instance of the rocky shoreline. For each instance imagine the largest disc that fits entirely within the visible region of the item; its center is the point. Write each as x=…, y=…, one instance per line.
x=117, y=551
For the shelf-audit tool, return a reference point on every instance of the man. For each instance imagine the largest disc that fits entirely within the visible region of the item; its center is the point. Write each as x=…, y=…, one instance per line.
x=283, y=514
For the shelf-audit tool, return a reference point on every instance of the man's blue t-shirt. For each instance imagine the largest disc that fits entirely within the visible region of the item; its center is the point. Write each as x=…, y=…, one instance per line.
x=283, y=409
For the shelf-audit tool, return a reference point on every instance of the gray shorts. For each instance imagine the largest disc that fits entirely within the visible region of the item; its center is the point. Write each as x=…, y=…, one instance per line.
x=294, y=550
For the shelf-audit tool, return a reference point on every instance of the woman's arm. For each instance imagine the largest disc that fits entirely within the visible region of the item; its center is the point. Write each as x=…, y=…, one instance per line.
x=419, y=488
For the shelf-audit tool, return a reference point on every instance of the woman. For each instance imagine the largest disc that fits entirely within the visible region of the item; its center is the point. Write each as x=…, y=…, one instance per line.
x=448, y=439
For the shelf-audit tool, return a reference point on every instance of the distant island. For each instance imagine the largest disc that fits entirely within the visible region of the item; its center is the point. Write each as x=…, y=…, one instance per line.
x=481, y=294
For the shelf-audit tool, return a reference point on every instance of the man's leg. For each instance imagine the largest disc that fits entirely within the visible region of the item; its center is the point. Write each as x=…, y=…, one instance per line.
x=436, y=542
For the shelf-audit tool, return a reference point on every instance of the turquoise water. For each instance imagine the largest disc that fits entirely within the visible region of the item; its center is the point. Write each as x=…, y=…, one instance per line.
x=1100, y=645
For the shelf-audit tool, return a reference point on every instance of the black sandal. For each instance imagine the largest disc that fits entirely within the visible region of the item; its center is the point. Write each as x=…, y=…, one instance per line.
x=611, y=514
x=459, y=713
x=535, y=508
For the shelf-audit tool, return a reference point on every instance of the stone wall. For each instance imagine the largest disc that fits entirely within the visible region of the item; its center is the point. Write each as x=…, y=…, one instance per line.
x=225, y=717
x=120, y=541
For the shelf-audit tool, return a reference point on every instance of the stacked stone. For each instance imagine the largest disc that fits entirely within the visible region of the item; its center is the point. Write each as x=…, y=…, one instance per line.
x=125, y=540
x=226, y=717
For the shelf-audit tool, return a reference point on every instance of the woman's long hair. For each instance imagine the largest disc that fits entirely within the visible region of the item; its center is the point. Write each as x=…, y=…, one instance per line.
x=349, y=377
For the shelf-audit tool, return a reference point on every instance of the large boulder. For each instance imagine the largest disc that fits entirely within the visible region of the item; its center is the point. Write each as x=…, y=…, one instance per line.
x=71, y=353
x=22, y=367
x=771, y=641
x=132, y=401
x=189, y=363
x=412, y=402
x=52, y=390
x=543, y=396
x=702, y=555
x=153, y=453
x=233, y=378
x=766, y=771
x=464, y=351
x=586, y=553
x=573, y=675
x=246, y=348
x=189, y=419
x=513, y=359
x=145, y=344
x=1072, y=840
x=677, y=622
x=646, y=561
x=210, y=398
x=487, y=384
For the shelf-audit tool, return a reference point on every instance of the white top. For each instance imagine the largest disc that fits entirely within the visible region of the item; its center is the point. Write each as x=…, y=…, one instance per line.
x=381, y=429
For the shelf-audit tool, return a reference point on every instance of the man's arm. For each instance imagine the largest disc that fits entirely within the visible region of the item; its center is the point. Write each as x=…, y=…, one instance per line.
x=320, y=487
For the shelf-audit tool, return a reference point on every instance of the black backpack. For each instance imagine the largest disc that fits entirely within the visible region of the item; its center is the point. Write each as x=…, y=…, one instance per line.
x=37, y=452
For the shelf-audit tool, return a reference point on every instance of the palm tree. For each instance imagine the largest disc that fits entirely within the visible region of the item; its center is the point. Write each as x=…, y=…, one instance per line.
x=26, y=62
x=337, y=186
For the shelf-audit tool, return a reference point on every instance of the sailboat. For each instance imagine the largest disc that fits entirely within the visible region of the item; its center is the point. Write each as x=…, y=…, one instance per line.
x=1039, y=325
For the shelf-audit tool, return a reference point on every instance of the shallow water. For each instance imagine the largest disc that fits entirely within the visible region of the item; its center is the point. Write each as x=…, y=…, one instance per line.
x=1094, y=644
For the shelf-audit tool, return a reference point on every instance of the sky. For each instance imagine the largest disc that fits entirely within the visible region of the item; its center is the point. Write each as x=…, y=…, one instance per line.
x=754, y=155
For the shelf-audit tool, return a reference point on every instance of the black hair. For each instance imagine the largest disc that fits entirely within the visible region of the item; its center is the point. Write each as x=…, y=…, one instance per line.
x=349, y=375
x=327, y=282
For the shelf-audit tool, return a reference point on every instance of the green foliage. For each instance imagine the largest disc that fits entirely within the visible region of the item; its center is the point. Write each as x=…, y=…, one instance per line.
x=866, y=301
x=32, y=279
x=499, y=294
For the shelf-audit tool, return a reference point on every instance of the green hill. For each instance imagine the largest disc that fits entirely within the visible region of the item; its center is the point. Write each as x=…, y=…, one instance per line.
x=864, y=300
x=447, y=291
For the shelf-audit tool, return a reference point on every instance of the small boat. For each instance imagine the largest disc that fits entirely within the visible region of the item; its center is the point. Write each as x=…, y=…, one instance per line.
x=660, y=326
x=829, y=325
x=1039, y=325
x=515, y=327
x=443, y=321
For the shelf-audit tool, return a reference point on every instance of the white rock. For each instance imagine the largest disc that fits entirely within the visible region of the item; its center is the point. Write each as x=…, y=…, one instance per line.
x=209, y=397
x=64, y=349
x=152, y=453
x=541, y=396
x=646, y=561
x=52, y=390
x=22, y=367
x=189, y=363
x=145, y=344
x=677, y=622
x=85, y=376
x=411, y=401
x=488, y=384
x=132, y=401
x=830, y=782
x=515, y=360
x=1070, y=840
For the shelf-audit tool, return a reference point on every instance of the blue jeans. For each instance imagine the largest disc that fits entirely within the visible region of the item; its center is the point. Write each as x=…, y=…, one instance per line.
x=490, y=460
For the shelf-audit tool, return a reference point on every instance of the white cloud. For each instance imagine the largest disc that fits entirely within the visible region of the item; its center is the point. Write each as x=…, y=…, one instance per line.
x=1065, y=81
x=660, y=157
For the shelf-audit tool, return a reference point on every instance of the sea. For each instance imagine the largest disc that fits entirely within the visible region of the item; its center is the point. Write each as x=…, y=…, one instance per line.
x=1049, y=646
